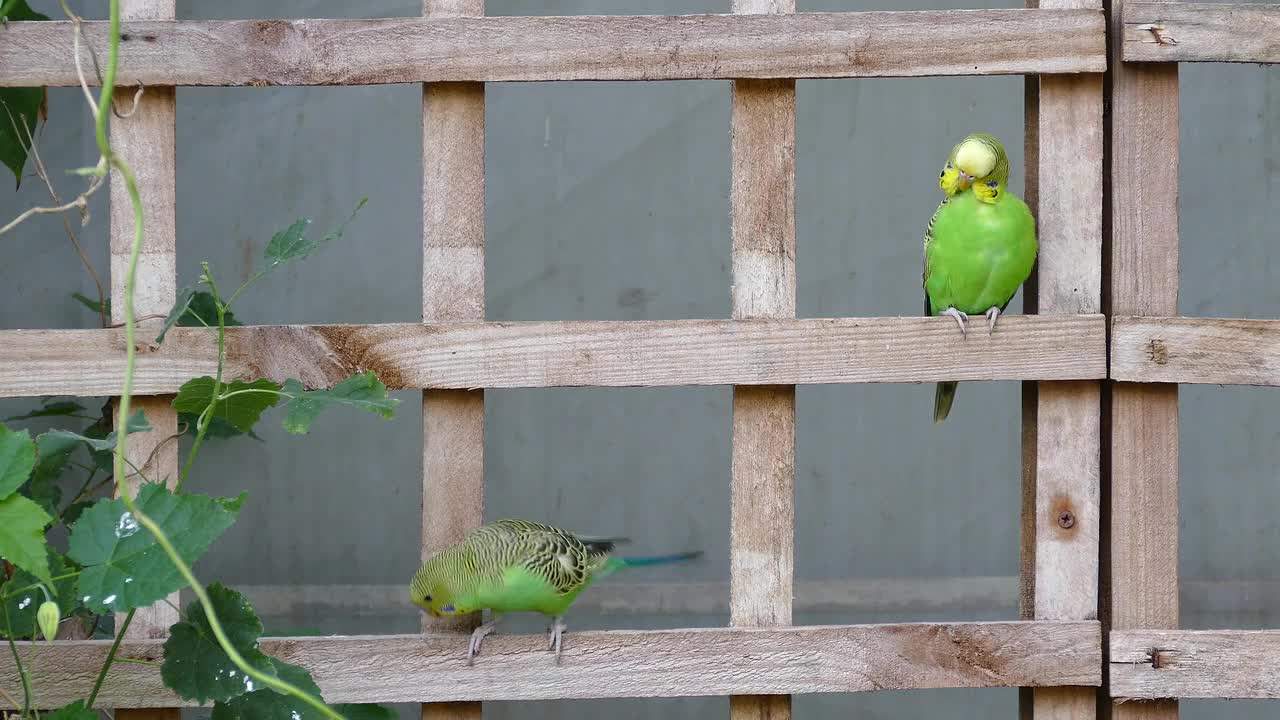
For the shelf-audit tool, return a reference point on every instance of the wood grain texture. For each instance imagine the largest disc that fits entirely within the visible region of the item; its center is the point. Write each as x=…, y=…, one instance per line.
x=453, y=238
x=1200, y=32
x=1067, y=439
x=614, y=47
x=147, y=142
x=1218, y=351
x=762, y=144
x=623, y=663
x=568, y=354
x=1149, y=664
x=1143, y=211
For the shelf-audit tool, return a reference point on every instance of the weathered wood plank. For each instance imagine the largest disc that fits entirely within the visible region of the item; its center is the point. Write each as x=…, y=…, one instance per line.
x=1201, y=32
x=1153, y=664
x=623, y=663
x=453, y=238
x=613, y=47
x=146, y=139
x=563, y=354
x=762, y=515
x=1143, y=453
x=1218, y=351
x=1067, y=438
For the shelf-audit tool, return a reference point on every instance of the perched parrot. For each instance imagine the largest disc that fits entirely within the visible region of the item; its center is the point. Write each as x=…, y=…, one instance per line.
x=980, y=244
x=518, y=566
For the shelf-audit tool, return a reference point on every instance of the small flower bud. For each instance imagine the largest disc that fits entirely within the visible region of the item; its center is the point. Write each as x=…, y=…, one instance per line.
x=47, y=617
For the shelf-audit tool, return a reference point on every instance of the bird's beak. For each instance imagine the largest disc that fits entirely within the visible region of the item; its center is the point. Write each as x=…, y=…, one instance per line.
x=964, y=179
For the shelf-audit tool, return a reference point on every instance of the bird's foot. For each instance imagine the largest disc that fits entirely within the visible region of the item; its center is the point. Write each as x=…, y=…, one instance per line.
x=993, y=314
x=556, y=634
x=477, y=637
x=960, y=317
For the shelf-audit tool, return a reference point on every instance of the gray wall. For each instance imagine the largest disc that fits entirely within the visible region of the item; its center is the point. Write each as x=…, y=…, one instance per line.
x=610, y=201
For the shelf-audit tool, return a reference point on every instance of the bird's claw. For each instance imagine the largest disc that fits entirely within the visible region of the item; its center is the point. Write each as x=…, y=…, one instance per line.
x=993, y=314
x=556, y=636
x=477, y=637
x=960, y=318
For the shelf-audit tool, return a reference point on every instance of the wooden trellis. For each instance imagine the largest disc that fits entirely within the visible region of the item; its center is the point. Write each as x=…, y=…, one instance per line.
x=764, y=351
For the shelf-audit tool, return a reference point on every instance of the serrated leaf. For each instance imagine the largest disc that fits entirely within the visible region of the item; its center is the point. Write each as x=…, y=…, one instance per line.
x=22, y=524
x=17, y=458
x=124, y=566
x=74, y=511
x=74, y=711
x=196, y=667
x=53, y=409
x=202, y=311
x=242, y=411
x=292, y=243
x=60, y=438
x=362, y=391
x=19, y=113
x=99, y=307
x=22, y=606
x=177, y=311
x=267, y=704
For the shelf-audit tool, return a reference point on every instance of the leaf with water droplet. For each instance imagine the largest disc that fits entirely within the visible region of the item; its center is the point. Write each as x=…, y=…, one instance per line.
x=195, y=666
x=365, y=392
x=267, y=704
x=23, y=618
x=105, y=541
x=17, y=458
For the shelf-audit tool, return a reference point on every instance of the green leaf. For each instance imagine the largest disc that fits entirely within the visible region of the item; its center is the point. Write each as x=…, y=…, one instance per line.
x=124, y=566
x=17, y=458
x=19, y=113
x=22, y=606
x=366, y=712
x=22, y=524
x=94, y=305
x=292, y=243
x=242, y=411
x=74, y=711
x=196, y=667
x=267, y=704
x=363, y=391
x=203, y=312
x=218, y=428
x=53, y=409
x=61, y=438
x=74, y=511
x=18, y=10
x=185, y=295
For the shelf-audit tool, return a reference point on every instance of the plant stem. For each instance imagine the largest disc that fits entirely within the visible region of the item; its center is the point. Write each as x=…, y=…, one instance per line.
x=17, y=662
x=111, y=655
x=274, y=683
x=202, y=425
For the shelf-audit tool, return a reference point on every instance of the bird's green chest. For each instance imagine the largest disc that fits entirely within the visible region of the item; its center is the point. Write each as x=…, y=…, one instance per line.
x=979, y=253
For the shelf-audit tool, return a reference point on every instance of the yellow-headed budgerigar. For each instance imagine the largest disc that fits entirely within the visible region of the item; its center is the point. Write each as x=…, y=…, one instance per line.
x=980, y=244
x=518, y=566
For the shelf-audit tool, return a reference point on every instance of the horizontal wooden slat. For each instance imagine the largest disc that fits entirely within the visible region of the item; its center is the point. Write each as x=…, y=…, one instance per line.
x=1201, y=32
x=616, y=47
x=1195, y=350
x=622, y=663
x=564, y=354
x=1149, y=664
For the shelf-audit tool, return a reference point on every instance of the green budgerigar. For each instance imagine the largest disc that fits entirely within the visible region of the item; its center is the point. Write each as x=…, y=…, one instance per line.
x=980, y=245
x=518, y=566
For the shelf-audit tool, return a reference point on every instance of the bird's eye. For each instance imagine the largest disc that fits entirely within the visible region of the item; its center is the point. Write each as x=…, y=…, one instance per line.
x=942, y=174
x=427, y=598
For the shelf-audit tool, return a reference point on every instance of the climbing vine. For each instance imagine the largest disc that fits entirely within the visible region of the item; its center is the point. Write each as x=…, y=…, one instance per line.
x=126, y=550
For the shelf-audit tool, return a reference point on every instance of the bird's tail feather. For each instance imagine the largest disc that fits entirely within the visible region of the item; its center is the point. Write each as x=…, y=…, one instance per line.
x=943, y=396
x=618, y=563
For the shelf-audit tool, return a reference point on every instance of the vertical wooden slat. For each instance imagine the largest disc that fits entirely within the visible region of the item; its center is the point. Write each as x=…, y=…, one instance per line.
x=1143, y=137
x=146, y=141
x=762, y=512
x=453, y=198
x=1066, y=478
